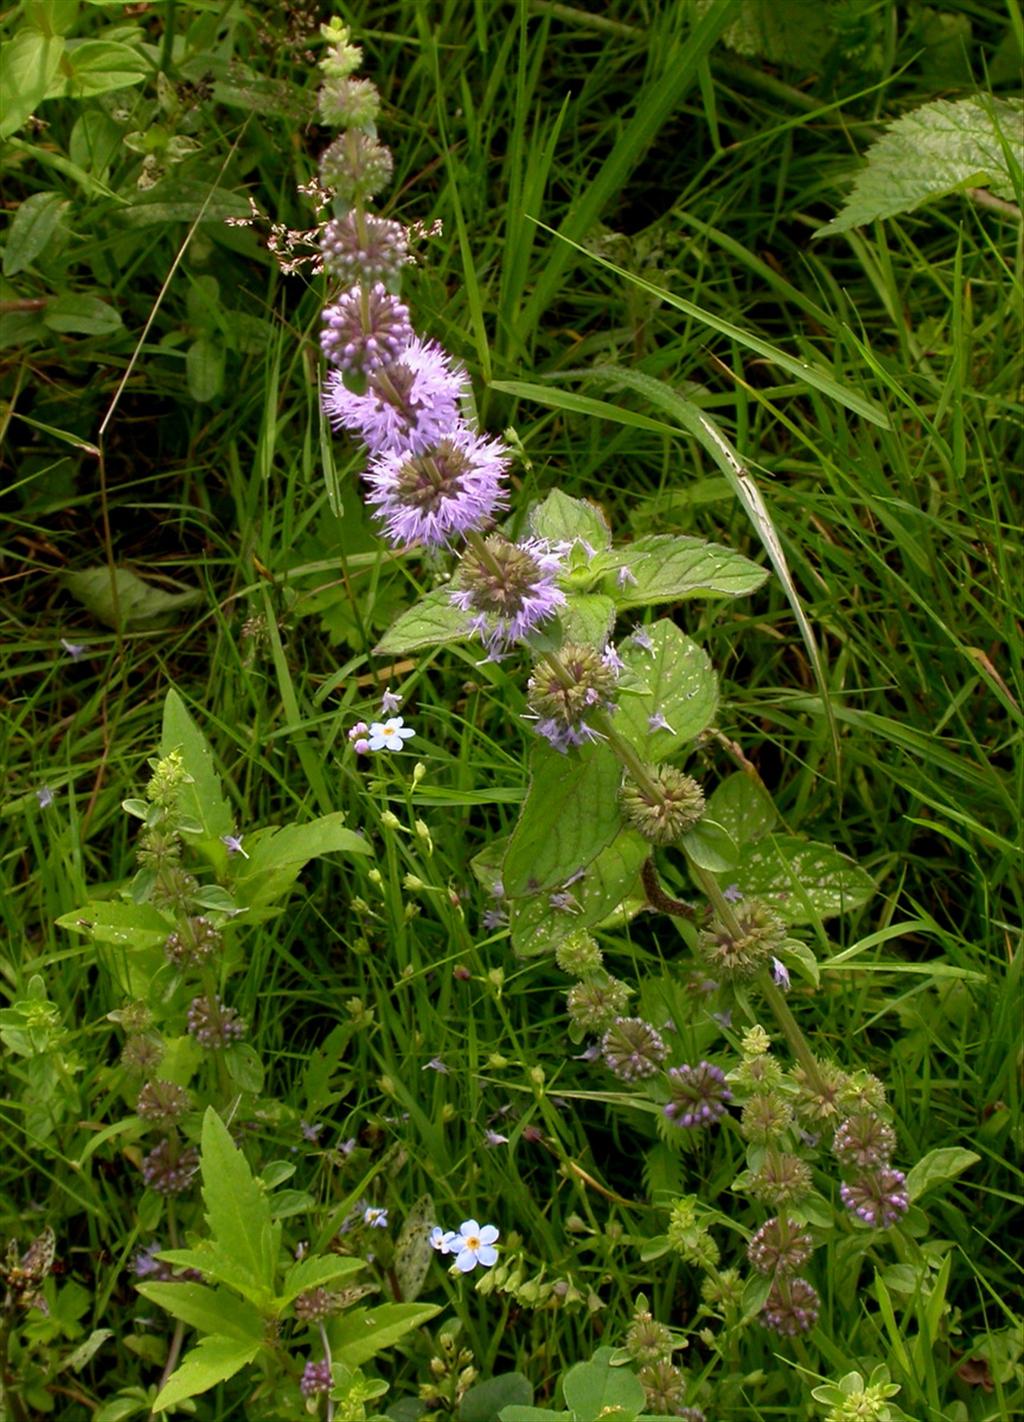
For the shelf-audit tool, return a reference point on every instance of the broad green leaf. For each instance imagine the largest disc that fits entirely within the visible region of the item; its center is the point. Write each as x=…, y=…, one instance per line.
x=587, y=617
x=245, y=1067
x=484, y=1400
x=669, y=567
x=607, y=884
x=803, y=881
x=128, y=925
x=74, y=313
x=277, y=856
x=29, y=61
x=938, y=1167
x=570, y=814
x=431, y=622
x=220, y=1267
x=710, y=846
x=95, y=142
x=192, y=202
x=590, y=1389
x=204, y=367
x=795, y=32
x=938, y=148
x=138, y=604
x=561, y=519
x=213, y=1361
x=515, y=1413
x=742, y=806
x=798, y=956
x=678, y=683
x=34, y=223
x=100, y=66
x=361, y=1333
x=413, y=1250
x=203, y=798
x=311, y=1272
x=237, y=1209
x=208, y=1310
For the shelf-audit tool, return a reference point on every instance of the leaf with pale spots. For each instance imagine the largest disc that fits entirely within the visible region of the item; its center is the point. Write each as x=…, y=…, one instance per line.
x=742, y=806
x=607, y=886
x=570, y=813
x=562, y=519
x=587, y=617
x=666, y=567
x=676, y=681
x=801, y=880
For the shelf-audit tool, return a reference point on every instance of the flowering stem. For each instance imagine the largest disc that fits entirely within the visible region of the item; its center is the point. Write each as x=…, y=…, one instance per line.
x=327, y=1359
x=724, y=910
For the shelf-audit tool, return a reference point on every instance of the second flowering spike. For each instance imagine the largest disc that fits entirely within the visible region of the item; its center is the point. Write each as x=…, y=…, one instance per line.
x=448, y=489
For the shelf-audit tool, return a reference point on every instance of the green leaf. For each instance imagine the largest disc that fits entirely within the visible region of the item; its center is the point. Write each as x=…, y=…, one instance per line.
x=363, y=1333
x=431, y=622
x=192, y=202
x=203, y=798
x=245, y=1067
x=277, y=856
x=591, y=1388
x=678, y=682
x=204, y=367
x=606, y=886
x=562, y=520
x=313, y=1271
x=803, y=881
x=484, y=1400
x=237, y=1210
x=794, y=32
x=208, y=1310
x=515, y=1413
x=669, y=567
x=939, y=148
x=742, y=806
x=75, y=314
x=28, y=64
x=587, y=617
x=95, y=141
x=139, y=604
x=220, y=1267
x=414, y=1253
x=100, y=66
x=710, y=846
x=127, y=925
x=937, y=1167
x=570, y=814
x=214, y=1360
x=33, y=225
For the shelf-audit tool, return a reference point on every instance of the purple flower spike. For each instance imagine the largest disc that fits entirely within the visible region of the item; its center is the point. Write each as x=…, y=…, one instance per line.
x=361, y=247
x=408, y=405
x=879, y=1199
x=698, y=1095
x=508, y=590
x=447, y=489
x=365, y=328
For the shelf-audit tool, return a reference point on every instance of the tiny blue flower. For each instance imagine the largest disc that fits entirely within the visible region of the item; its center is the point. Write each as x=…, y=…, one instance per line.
x=45, y=797
x=442, y=1239
x=388, y=734
x=75, y=650
x=390, y=702
x=780, y=974
x=474, y=1245
x=233, y=844
x=375, y=1217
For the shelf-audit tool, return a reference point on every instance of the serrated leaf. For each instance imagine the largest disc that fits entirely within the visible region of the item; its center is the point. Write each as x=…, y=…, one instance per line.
x=33, y=225
x=431, y=622
x=127, y=925
x=588, y=618
x=202, y=798
x=362, y=1333
x=939, y=148
x=794, y=32
x=214, y=1360
x=670, y=567
x=570, y=814
x=312, y=1272
x=801, y=880
x=742, y=806
x=562, y=519
x=73, y=313
x=207, y=1310
x=277, y=857
x=679, y=684
x=29, y=61
x=139, y=604
x=101, y=66
x=938, y=1167
x=237, y=1210
x=607, y=883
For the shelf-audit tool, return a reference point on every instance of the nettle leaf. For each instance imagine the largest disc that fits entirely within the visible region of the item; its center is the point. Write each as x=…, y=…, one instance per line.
x=139, y=604
x=213, y=1361
x=591, y=1389
x=431, y=622
x=938, y=148
x=127, y=925
x=803, y=881
x=237, y=1209
x=311, y=1272
x=587, y=617
x=203, y=798
x=606, y=886
x=678, y=683
x=743, y=807
x=570, y=814
x=937, y=1168
x=208, y=1310
x=669, y=567
x=362, y=1333
x=34, y=223
x=562, y=519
